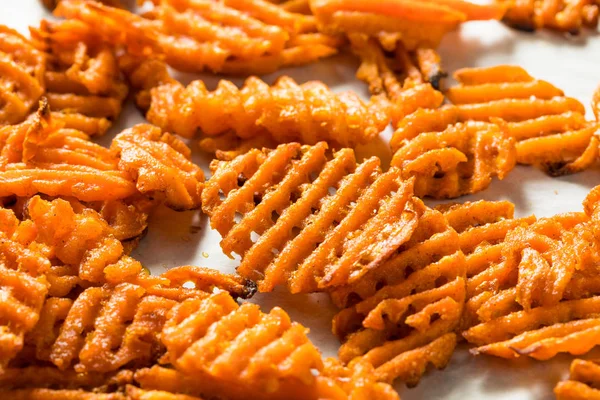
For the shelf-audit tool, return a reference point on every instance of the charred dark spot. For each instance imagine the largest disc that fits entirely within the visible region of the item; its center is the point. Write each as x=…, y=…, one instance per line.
x=557, y=169
x=435, y=77
x=521, y=26
x=241, y=179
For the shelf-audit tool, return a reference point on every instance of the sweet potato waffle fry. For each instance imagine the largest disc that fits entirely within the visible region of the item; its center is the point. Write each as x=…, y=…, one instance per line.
x=545, y=285
x=160, y=164
x=286, y=112
x=234, y=350
x=83, y=83
x=310, y=214
x=21, y=69
x=550, y=129
x=415, y=23
x=449, y=158
x=583, y=382
x=237, y=37
x=482, y=227
x=39, y=156
x=562, y=16
x=401, y=316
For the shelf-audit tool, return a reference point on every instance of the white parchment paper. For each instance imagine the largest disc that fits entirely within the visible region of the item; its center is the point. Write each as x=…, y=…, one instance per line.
x=572, y=64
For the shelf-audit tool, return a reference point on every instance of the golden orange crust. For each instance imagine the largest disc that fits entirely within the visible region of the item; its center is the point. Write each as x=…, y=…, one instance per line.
x=416, y=24
x=449, y=158
x=563, y=16
x=82, y=79
x=22, y=69
x=325, y=236
x=286, y=112
x=550, y=129
x=160, y=165
x=400, y=317
x=39, y=156
x=583, y=382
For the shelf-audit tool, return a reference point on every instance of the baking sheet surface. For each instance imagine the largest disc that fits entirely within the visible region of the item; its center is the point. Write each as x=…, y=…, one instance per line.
x=572, y=64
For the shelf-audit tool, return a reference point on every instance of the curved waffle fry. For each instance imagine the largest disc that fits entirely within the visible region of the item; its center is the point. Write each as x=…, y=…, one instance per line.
x=82, y=78
x=285, y=111
x=482, y=227
x=38, y=156
x=325, y=236
x=506, y=327
x=397, y=316
x=422, y=23
x=550, y=129
x=575, y=337
x=449, y=158
x=23, y=285
x=102, y=330
x=563, y=16
x=160, y=163
x=358, y=382
x=583, y=383
x=238, y=349
x=51, y=4
x=21, y=70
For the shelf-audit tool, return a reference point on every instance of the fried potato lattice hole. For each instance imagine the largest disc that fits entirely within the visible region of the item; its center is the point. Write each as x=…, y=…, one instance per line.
x=83, y=83
x=416, y=24
x=400, y=317
x=563, y=16
x=39, y=156
x=583, y=382
x=449, y=158
x=550, y=129
x=286, y=112
x=160, y=164
x=299, y=217
x=22, y=69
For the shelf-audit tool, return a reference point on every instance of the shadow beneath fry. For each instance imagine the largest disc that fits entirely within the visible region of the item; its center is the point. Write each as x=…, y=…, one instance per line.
x=172, y=240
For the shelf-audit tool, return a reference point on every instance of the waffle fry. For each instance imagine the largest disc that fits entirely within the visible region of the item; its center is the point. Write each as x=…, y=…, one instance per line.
x=38, y=156
x=448, y=158
x=160, y=163
x=575, y=337
x=508, y=326
x=83, y=83
x=562, y=16
x=416, y=24
x=22, y=69
x=550, y=129
x=482, y=227
x=285, y=111
x=143, y=75
x=400, y=317
x=583, y=383
x=255, y=351
x=102, y=330
x=23, y=285
x=341, y=242
x=358, y=382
